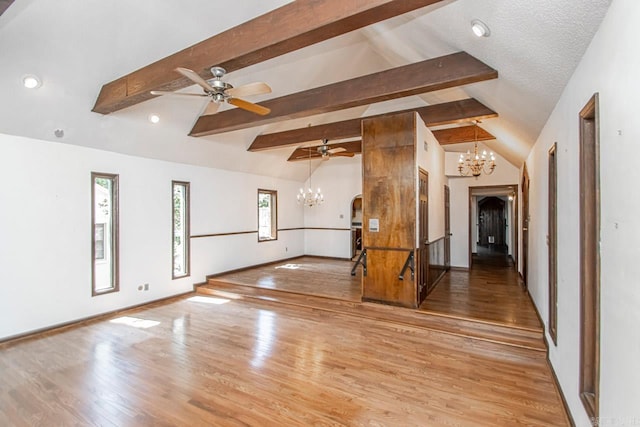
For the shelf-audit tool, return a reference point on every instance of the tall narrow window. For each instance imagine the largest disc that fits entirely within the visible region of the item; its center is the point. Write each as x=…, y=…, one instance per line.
x=267, y=215
x=590, y=257
x=180, y=229
x=104, y=235
x=553, y=246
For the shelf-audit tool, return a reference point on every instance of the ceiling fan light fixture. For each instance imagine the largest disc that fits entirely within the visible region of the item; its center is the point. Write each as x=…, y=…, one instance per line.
x=480, y=29
x=31, y=81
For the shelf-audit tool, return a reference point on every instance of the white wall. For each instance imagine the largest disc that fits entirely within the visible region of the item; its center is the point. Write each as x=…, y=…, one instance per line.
x=611, y=68
x=340, y=179
x=504, y=174
x=430, y=157
x=45, y=247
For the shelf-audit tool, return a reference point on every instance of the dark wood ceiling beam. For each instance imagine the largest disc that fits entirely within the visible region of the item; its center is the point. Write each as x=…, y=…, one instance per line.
x=306, y=153
x=459, y=135
x=433, y=74
x=291, y=27
x=4, y=5
x=433, y=115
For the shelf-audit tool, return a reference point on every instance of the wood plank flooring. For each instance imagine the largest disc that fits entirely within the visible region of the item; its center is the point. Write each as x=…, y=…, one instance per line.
x=211, y=361
x=306, y=275
x=490, y=291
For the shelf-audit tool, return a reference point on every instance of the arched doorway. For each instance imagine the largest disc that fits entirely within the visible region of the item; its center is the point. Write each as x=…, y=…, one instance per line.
x=492, y=224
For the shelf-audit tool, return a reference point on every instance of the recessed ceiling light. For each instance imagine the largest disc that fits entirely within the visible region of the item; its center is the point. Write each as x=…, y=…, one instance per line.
x=31, y=82
x=480, y=29
x=154, y=118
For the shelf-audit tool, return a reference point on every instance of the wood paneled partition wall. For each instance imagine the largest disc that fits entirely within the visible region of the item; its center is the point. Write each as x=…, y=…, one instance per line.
x=389, y=201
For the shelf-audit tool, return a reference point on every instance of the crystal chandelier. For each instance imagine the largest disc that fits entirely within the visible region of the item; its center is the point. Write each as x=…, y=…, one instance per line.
x=310, y=198
x=475, y=164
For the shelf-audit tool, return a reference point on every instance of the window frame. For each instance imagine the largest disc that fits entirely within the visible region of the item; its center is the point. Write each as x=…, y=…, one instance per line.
x=114, y=236
x=186, y=229
x=274, y=214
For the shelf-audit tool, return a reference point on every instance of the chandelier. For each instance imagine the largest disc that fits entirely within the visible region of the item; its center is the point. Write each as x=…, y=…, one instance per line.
x=475, y=164
x=310, y=198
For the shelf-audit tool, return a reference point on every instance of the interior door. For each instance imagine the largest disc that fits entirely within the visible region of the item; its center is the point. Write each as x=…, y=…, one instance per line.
x=525, y=225
x=447, y=228
x=423, y=234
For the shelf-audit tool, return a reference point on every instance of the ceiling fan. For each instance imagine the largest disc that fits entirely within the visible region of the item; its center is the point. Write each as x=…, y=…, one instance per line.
x=325, y=151
x=218, y=91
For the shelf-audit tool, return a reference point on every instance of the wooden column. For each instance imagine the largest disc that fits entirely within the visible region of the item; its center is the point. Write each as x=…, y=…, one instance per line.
x=389, y=196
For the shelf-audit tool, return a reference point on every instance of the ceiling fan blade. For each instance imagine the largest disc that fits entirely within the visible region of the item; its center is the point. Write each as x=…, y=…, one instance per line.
x=194, y=77
x=336, y=150
x=164, y=92
x=249, y=106
x=257, y=88
x=211, y=108
x=344, y=154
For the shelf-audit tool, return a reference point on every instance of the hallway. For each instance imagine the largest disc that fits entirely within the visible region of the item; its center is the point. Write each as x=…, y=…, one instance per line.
x=491, y=291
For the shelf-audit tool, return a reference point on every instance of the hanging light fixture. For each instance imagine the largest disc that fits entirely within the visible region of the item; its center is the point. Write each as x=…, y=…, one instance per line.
x=475, y=164
x=310, y=198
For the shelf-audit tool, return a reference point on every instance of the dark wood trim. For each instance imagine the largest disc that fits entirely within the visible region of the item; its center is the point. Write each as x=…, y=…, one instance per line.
x=115, y=215
x=526, y=218
x=433, y=115
x=552, y=242
x=329, y=257
x=590, y=257
x=288, y=28
x=425, y=76
x=200, y=236
x=431, y=242
x=465, y=269
x=567, y=410
x=461, y=134
x=187, y=186
x=65, y=326
x=234, y=233
x=327, y=228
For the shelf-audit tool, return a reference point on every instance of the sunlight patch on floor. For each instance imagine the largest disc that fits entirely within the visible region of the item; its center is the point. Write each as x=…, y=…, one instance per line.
x=289, y=266
x=209, y=300
x=135, y=322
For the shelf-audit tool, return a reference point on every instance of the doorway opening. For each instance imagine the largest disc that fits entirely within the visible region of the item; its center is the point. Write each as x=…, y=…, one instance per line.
x=493, y=223
x=356, y=226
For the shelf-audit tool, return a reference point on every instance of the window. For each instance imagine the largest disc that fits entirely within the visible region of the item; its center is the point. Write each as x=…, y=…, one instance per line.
x=104, y=236
x=180, y=229
x=590, y=257
x=267, y=215
x=553, y=246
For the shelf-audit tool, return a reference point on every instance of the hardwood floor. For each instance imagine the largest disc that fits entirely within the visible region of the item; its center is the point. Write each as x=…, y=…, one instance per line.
x=490, y=291
x=211, y=361
x=305, y=275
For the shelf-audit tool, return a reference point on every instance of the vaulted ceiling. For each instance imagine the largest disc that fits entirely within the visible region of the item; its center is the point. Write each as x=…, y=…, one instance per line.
x=77, y=46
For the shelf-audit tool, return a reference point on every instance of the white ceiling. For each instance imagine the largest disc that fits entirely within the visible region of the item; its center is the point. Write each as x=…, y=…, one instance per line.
x=75, y=46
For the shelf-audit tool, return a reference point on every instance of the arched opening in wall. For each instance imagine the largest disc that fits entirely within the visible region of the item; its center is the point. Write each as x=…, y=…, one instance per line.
x=356, y=226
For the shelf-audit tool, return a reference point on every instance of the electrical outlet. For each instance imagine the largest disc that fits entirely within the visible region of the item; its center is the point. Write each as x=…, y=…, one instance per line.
x=146, y=286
